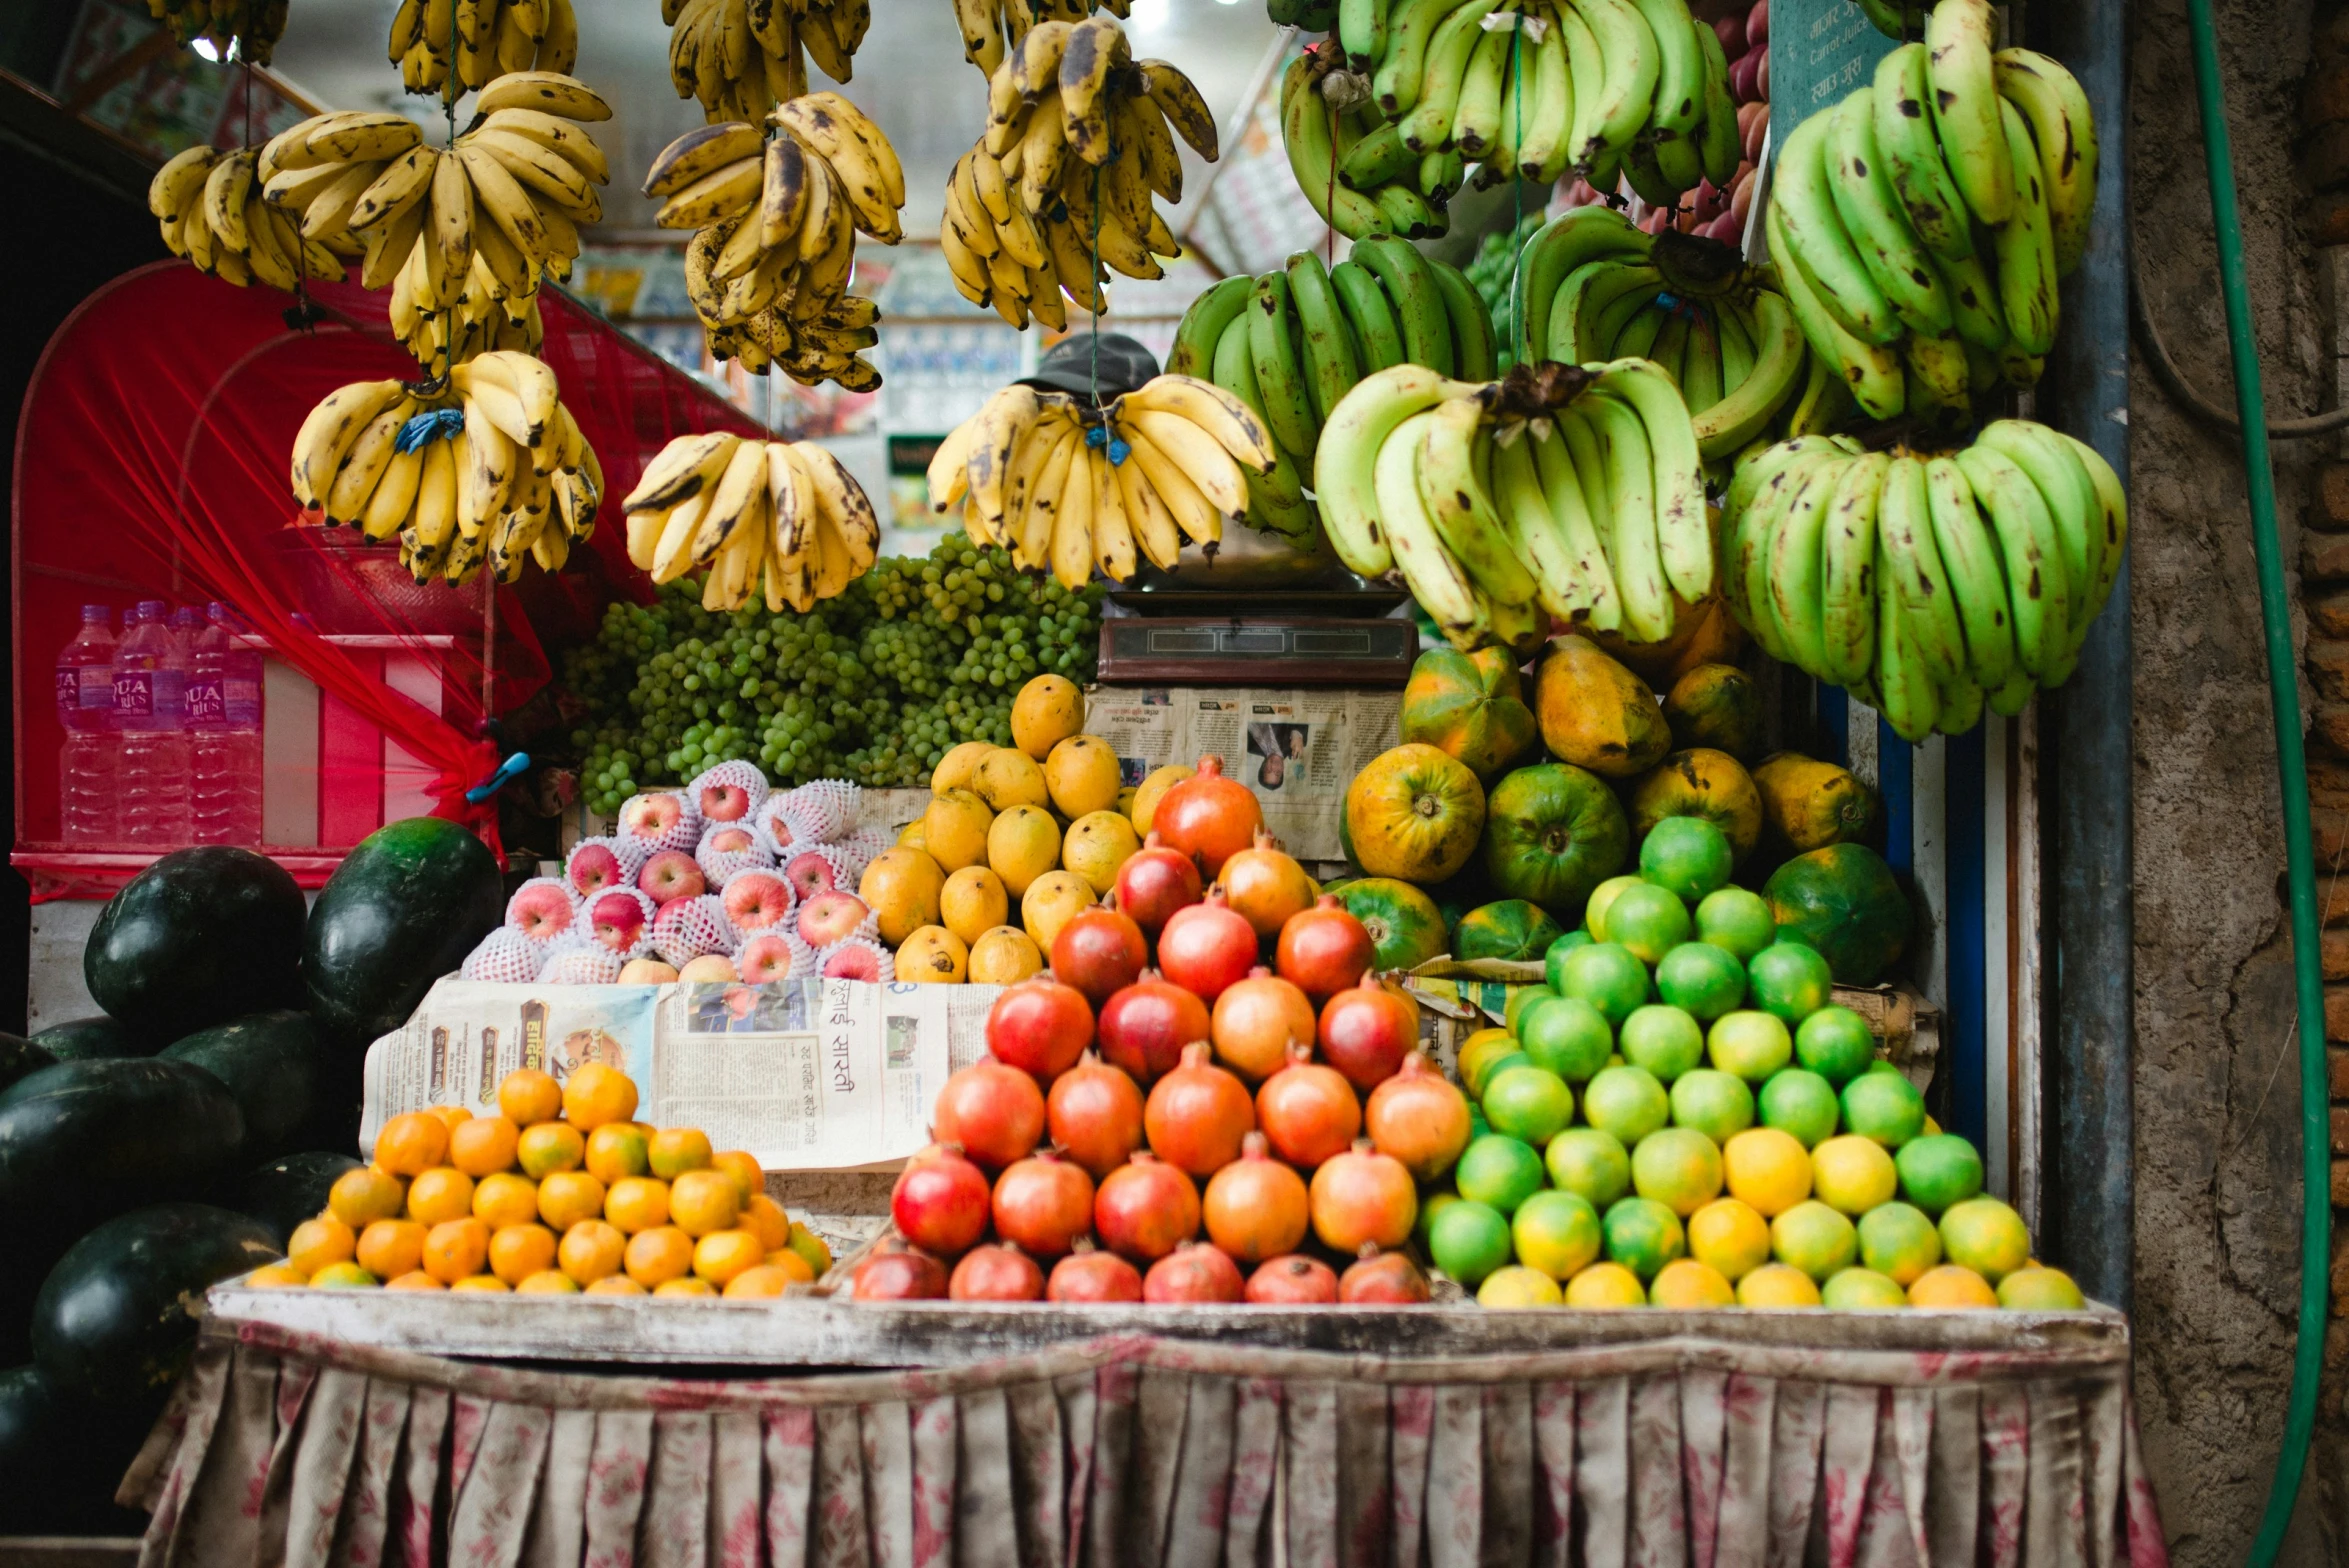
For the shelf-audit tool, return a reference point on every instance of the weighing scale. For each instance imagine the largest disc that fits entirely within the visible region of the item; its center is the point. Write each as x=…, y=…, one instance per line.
x=1286, y=638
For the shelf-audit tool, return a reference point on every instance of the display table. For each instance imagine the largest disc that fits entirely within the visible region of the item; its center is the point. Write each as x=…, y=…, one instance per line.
x=313, y=1429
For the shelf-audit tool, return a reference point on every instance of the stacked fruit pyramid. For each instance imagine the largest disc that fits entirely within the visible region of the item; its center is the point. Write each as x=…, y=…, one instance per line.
x=558, y=1193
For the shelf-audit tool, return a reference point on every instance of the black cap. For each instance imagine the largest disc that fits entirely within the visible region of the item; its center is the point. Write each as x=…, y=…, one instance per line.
x=1068, y=366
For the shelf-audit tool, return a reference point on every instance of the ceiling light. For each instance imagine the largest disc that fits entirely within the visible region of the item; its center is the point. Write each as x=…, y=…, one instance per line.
x=206, y=48
x=1149, y=15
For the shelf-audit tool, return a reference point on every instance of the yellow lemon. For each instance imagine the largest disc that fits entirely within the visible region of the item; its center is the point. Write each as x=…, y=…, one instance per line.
x=1009, y=777
x=954, y=829
x=1152, y=789
x=933, y=955
x=1767, y=1168
x=1690, y=1286
x=1518, y=1286
x=1605, y=1285
x=956, y=768
x=1022, y=845
x=1050, y=902
x=1048, y=710
x=1082, y=774
x=901, y=886
x=1777, y=1285
x=1730, y=1236
x=2037, y=1289
x=1098, y=843
x=972, y=903
x=1986, y=1236
x=1004, y=956
x=1853, y=1174
x=1952, y=1285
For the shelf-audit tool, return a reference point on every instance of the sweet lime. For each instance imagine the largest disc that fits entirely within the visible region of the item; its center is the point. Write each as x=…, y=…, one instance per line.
x=1952, y=1285
x=1556, y=1232
x=1499, y=1171
x=1986, y=1236
x=1800, y=1103
x=1649, y=920
x=1937, y=1170
x=2037, y=1289
x=1608, y=976
x=1750, y=1044
x=1853, y=1174
x=1767, y=1168
x=1480, y=1052
x=1730, y=1236
x=1528, y=1103
x=1516, y=1286
x=1701, y=979
x=1521, y=999
x=1834, y=1042
x=1554, y=961
x=1468, y=1241
x=1626, y=1101
x=1777, y=1285
x=1590, y=1164
x=1714, y=1103
x=1602, y=898
x=1679, y=1167
x=1898, y=1242
x=1686, y=856
x=1567, y=1035
x=1662, y=1039
x=1603, y=1286
x=1736, y=920
x=1643, y=1235
x=1429, y=1207
x=1883, y=1106
x=1789, y=980
x=1862, y=1290
x=1814, y=1238
x=1691, y=1286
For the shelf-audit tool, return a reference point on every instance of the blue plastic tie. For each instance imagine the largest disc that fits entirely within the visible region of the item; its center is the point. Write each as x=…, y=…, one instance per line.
x=440, y=424
x=508, y=771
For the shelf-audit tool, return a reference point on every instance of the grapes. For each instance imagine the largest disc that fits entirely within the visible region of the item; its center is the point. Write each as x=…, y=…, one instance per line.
x=919, y=655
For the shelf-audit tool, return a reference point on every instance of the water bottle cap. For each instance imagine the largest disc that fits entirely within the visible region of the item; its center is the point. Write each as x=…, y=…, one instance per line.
x=187, y=615
x=150, y=609
x=96, y=615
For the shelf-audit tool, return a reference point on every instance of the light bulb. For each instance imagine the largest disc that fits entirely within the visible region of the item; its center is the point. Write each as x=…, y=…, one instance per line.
x=205, y=48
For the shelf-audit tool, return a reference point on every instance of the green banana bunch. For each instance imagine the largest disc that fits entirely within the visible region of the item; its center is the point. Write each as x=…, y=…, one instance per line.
x=1352, y=165
x=1932, y=587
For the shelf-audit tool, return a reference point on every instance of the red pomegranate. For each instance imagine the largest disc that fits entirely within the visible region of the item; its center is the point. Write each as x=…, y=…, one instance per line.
x=1324, y=949
x=940, y=1200
x=903, y=1275
x=1308, y=1112
x=1418, y=1117
x=1194, y=1274
x=1207, y=948
x=1207, y=816
x=1254, y=1208
x=1145, y=1026
x=1197, y=1115
x=995, y=1112
x=1044, y=1203
x=1144, y=1208
x=1363, y=1198
x=1089, y=1278
x=1266, y=885
x=1257, y=1020
x=1154, y=882
x=1366, y=1031
x=1098, y=951
x=996, y=1273
x=1040, y=1026
x=1095, y=1114
x=1293, y=1281
x=1382, y=1279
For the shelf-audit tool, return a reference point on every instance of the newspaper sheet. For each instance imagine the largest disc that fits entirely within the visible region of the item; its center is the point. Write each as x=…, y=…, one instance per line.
x=808, y=1075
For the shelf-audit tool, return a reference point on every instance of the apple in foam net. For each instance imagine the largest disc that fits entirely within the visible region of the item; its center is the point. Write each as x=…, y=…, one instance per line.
x=829, y=917
x=651, y=816
x=617, y=919
x=646, y=971
x=672, y=874
x=724, y=802
x=731, y=841
x=764, y=959
x=854, y=963
x=541, y=911
x=710, y=966
x=593, y=868
x=810, y=873
x=756, y=900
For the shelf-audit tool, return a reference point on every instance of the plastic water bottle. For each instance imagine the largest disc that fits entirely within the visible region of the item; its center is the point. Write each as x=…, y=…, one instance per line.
x=224, y=734
x=85, y=710
x=150, y=680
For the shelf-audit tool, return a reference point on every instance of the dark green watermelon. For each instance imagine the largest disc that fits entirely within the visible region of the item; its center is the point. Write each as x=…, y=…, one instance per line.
x=19, y=1056
x=80, y=1039
x=64, y=1457
x=83, y=1141
x=34, y=1436
x=201, y=936
x=286, y=1191
x=271, y=1063
x=403, y=909
x=116, y=1319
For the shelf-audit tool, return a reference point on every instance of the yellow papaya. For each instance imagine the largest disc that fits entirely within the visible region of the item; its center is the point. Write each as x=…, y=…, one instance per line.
x=1811, y=804
x=1468, y=706
x=1716, y=705
x=1700, y=782
x=1595, y=713
x=1414, y=813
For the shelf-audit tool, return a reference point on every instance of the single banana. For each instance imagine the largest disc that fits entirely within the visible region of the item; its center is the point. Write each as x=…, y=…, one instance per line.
x=1848, y=583
x=1634, y=549
x=1368, y=314
x=1905, y=689
x=1970, y=557
x=1909, y=569
x=1750, y=402
x=1870, y=371
x=1794, y=590
x=1965, y=101
x=1419, y=306
x=1802, y=205
x=1235, y=426
x=2025, y=246
x=1285, y=401
x=2064, y=485
x=1912, y=154
x=2063, y=130
x=1203, y=324
x=1683, y=535
x=1879, y=228
x=1331, y=367
x=1457, y=499
x=1436, y=578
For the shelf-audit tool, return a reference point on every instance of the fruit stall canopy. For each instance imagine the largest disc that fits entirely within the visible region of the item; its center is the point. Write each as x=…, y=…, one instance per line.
x=151, y=462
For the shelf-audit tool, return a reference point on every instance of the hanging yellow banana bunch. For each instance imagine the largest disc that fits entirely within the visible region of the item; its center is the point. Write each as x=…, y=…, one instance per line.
x=742, y=57
x=778, y=518
x=484, y=39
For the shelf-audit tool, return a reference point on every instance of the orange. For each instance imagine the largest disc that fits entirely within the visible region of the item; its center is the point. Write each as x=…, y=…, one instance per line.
x=1690, y=1286
x=676, y=1150
x=519, y=1251
x=451, y=1116
x=455, y=1248
x=530, y=1096
x=567, y=1197
x=411, y=1143
x=614, y=1285
x=549, y=1147
x=811, y=1248
x=598, y=1095
x=765, y=1216
x=343, y=1276
x=591, y=1250
x=617, y=1150
x=637, y=1203
x=481, y=1282
x=722, y=1254
x=792, y=1264
x=414, y=1279
x=1951, y=1285
x=483, y=1146
x=658, y=1255
x=319, y=1243
x=503, y=1200
x=359, y=1198
x=441, y=1193
x=389, y=1248
x=765, y=1280
x=275, y=1275
x=749, y=1178
x=704, y=1201
x=548, y=1282
x=688, y=1286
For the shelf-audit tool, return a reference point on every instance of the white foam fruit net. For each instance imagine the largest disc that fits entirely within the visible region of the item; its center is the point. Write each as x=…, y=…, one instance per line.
x=829, y=807
x=683, y=832
x=820, y=868
x=506, y=957
x=864, y=846
x=543, y=909
x=688, y=928
x=719, y=864
x=619, y=920
x=855, y=958
x=581, y=963
x=757, y=899
x=774, y=955
x=630, y=853
x=744, y=776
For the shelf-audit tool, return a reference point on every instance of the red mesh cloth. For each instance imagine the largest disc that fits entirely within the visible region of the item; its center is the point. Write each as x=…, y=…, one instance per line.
x=151, y=463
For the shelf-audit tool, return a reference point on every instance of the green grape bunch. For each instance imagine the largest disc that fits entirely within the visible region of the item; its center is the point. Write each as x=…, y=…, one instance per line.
x=919, y=655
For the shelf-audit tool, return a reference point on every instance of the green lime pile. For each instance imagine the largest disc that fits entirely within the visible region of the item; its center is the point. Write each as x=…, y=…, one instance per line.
x=1681, y=1116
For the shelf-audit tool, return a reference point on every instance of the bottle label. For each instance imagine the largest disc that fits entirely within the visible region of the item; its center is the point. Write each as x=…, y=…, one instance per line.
x=207, y=705
x=134, y=693
x=97, y=688
x=242, y=702
x=69, y=695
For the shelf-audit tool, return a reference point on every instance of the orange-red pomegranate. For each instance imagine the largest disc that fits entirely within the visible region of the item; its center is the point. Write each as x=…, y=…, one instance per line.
x=1207, y=816
x=1197, y=1115
x=1308, y=1112
x=1094, y=1113
x=1256, y=1021
x=1266, y=885
x=1145, y=1208
x=1194, y=1274
x=1362, y=1198
x=1418, y=1117
x=1255, y=1207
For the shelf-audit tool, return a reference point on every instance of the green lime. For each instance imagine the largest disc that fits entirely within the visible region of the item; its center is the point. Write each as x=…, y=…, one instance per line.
x=1899, y=1242
x=1493, y=1066
x=1521, y=1000
x=1679, y=1167
x=1602, y=897
x=1937, y=1170
x=1607, y=975
x=1790, y=980
x=2037, y=1289
x=1861, y=1290
x=1626, y=1101
x=1814, y=1238
x=1643, y=1235
x=1799, y=1103
x=1554, y=961
x=1468, y=1241
x=1648, y=919
x=1834, y=1042
x=1430, y=1206
x=1556, y=1232
x=1686, y=856
x=1592, y=1163
x=1664, y=1040
x=1736, y=920
x=1702, y=980
x=1485, y=1050
x=1568, y=1036
x=1528, y=1103
x=1885, y=1107
x=1498, y=1170
x=1715, y=1103
x=1750, y=1044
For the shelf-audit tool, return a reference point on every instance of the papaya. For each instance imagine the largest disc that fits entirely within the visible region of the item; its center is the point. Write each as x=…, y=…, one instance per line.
x=1716, y=705
x=1700, y=782
x=1406, y=928
x=1702, y=633
x=1512, y=929
x=1811, y=804
x=1842, y=902
x=1468, y=706
x=1595, y=713
x=1552, y=833
x=1415, y=813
